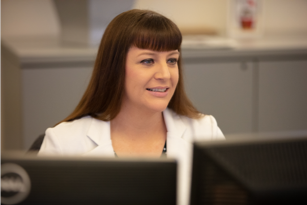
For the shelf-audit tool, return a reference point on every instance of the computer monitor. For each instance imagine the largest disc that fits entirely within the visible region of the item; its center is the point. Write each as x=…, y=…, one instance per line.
x=71, y=180
x=262, y=169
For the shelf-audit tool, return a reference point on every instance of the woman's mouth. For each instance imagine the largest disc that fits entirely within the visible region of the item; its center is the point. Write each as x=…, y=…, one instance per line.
x=157, y=89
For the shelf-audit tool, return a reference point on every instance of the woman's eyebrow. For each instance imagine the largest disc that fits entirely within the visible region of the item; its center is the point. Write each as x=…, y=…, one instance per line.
x=154, y=54
x=146, y=53
x=173, y=53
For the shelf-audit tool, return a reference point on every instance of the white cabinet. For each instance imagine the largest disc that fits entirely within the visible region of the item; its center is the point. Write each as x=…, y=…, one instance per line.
x=39, y=88
x=50, y=94
x=264, y=95
x=282, y=95
x=224, y=90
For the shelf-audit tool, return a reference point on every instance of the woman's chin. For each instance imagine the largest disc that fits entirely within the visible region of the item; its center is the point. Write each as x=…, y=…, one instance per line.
x=157, y=107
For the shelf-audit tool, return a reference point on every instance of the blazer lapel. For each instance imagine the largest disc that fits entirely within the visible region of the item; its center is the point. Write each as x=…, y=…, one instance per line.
x=100, y=133
x=176, y=144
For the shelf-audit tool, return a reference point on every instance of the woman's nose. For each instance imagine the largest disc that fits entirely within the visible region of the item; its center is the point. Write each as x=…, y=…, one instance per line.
x=163, y=71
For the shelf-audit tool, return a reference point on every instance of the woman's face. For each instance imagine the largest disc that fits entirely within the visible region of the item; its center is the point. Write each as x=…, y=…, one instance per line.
x=151, y=78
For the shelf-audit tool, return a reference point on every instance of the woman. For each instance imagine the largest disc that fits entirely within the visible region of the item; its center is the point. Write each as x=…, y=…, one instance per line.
x=135, y=104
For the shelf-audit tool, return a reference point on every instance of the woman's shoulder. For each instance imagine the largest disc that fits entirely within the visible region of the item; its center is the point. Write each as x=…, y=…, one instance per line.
x=80, y=125
x=67, y=137
x=203, y=127
x=207, y=120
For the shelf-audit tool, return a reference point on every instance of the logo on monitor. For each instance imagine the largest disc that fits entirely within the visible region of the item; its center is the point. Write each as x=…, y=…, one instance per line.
x=15, y=184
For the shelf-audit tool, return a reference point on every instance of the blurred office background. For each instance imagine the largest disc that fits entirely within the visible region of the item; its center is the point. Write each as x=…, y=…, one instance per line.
x=252, y=84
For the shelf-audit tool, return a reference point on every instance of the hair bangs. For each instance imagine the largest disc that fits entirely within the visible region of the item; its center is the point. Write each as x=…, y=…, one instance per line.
x=154, y=35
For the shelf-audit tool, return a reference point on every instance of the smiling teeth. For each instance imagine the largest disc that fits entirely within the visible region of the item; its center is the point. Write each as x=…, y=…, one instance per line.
x=157, y=89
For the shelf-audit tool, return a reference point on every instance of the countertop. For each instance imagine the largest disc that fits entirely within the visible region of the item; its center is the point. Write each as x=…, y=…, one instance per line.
x=51, y=49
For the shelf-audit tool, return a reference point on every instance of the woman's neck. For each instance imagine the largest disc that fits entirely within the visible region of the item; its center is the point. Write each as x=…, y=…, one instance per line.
x=137, y=131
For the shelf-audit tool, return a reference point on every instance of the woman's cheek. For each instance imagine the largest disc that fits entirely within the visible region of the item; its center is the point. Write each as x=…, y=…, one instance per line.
x=175, y=77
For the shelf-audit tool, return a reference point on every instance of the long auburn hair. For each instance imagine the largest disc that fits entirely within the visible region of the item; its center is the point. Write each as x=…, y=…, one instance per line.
x=141, y=28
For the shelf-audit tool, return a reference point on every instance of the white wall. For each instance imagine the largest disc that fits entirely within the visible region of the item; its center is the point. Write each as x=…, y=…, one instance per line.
x=210, y=14
x=39, y=17
x=285, y=17
x=28, y=18
x=281, y=16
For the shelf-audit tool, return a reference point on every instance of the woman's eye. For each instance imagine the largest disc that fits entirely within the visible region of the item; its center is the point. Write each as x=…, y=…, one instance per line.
x=147, y=61
x=172, y=61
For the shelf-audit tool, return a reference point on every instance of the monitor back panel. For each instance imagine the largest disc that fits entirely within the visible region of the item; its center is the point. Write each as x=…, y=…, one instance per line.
x=268, y=171
x=65, y=181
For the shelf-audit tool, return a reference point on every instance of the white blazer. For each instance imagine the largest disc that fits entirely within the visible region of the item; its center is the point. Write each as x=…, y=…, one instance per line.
x=91, y=137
